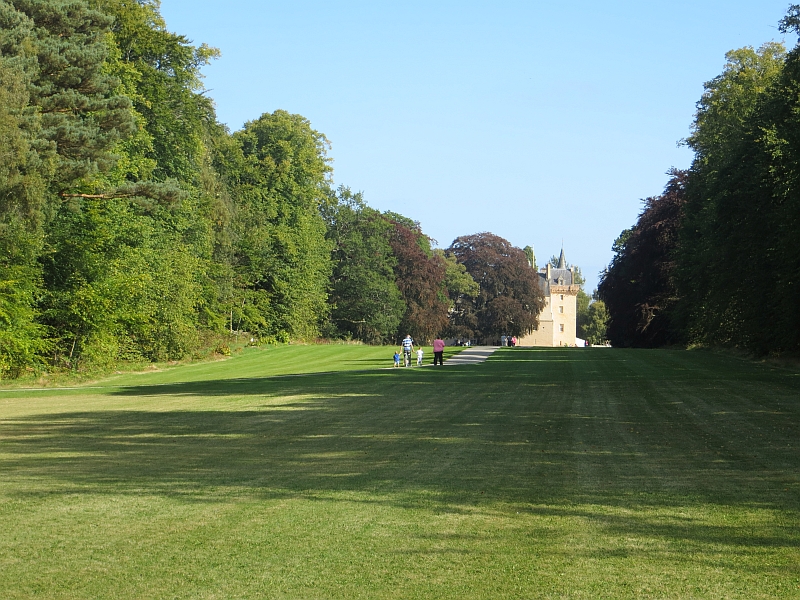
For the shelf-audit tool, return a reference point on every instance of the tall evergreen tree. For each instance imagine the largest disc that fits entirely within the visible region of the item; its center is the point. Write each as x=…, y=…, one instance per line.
x=82, y=114
x=23, y=176
x=126, y=257
x=69, y=117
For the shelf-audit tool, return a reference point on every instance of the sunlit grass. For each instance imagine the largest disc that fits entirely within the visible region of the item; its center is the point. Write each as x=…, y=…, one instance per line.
x=541, y=473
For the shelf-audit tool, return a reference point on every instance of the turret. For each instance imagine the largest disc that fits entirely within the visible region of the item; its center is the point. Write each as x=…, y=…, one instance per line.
x=562, y=262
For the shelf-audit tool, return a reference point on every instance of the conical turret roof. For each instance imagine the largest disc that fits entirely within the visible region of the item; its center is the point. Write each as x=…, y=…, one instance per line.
x=562, y=262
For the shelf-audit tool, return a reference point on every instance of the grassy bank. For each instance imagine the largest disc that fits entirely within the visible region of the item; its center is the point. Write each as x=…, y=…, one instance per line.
x=541, y=473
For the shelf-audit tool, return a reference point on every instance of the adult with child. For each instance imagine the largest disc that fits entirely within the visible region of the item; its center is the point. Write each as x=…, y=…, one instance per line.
x=408, y=348
x=438, y=351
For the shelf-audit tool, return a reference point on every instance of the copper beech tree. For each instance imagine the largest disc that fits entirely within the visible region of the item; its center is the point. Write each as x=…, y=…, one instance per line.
x=420, y=276
x=638, y=287
x=509, y=300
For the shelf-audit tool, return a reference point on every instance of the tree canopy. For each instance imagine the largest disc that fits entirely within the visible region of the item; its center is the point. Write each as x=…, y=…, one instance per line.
x=420, y=275
x=694, y=268
x=509, y=299
x=639, y=287
x=134, y=226
x=365, y=302
x=280, y=180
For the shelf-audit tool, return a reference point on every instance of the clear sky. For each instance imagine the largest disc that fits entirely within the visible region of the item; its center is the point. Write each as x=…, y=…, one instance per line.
x=537, y=121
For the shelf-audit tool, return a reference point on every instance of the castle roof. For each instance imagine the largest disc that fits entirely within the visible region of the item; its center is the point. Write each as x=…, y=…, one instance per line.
x=557, y=277
x=562, y=261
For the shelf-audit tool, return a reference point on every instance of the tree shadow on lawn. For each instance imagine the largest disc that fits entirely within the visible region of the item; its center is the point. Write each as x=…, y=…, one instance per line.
x=481, y=438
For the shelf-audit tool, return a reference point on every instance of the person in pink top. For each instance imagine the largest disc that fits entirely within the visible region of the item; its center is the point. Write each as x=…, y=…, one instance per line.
x=438, y=351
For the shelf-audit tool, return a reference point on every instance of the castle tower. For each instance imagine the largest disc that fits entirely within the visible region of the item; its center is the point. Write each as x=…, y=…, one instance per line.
x=558, y=319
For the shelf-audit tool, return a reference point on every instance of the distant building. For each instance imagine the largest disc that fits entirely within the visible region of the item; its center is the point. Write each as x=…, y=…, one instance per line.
x=558, y=319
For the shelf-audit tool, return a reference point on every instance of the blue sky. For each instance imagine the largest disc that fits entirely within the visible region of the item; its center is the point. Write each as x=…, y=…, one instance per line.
x=537, y=121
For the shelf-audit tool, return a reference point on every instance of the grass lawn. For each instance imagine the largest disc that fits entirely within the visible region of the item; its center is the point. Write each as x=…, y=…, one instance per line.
x=575, y=473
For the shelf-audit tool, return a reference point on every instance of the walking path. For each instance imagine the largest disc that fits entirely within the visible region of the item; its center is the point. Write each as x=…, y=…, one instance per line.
x=471, y=356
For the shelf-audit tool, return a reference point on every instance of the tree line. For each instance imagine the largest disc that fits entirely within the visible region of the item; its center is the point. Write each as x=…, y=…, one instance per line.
x=714, y=259
x=134, y=226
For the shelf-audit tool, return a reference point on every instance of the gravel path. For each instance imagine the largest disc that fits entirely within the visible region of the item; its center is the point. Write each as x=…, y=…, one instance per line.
x=471, y=356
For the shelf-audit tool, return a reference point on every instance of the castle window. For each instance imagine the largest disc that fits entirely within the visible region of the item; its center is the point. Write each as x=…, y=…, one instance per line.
x=562, y=296
x=561, y=328
x=561, y=309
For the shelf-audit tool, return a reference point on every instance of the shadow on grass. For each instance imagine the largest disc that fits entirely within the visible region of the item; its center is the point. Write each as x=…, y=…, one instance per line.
x=506, y=434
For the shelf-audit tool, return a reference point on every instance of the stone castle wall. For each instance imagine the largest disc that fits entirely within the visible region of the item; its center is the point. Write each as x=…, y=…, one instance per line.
x=557, y=321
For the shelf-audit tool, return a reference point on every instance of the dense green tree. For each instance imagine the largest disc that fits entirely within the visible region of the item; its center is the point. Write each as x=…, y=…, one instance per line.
x=594, y=328
x=280, y=179
x=364, y=299
x=742, y=209
x=461, y=287
x=510, y=299
x=709, y=282
x=161, y=72
x=23, y=175
x=128, y=253
x=120, y=286
x=69, y=117
x=176, y=145
x=528, y=250
x=27, y=161
x=463, y=290
x=728, y=101
x=582, y=303
x=130, y=221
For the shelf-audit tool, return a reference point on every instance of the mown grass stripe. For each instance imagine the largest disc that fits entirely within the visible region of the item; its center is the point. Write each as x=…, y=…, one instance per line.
x=540, y=473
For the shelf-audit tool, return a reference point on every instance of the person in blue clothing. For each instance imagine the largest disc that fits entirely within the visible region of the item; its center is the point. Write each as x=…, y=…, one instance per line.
x=396, y=359
x=408, y=348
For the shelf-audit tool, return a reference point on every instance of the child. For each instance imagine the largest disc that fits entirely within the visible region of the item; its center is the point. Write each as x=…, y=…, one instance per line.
x=396, y=359
x=419, y=357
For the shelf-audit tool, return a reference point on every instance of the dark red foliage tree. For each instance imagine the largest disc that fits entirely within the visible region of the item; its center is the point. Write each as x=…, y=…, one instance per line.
x=510, y=298
x=639, y=287
x=420, y=276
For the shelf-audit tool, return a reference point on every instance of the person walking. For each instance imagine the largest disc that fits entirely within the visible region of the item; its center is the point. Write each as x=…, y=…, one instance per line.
x=408, y=348
x=419, y=357
x=396, y=359
x=438, y=351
